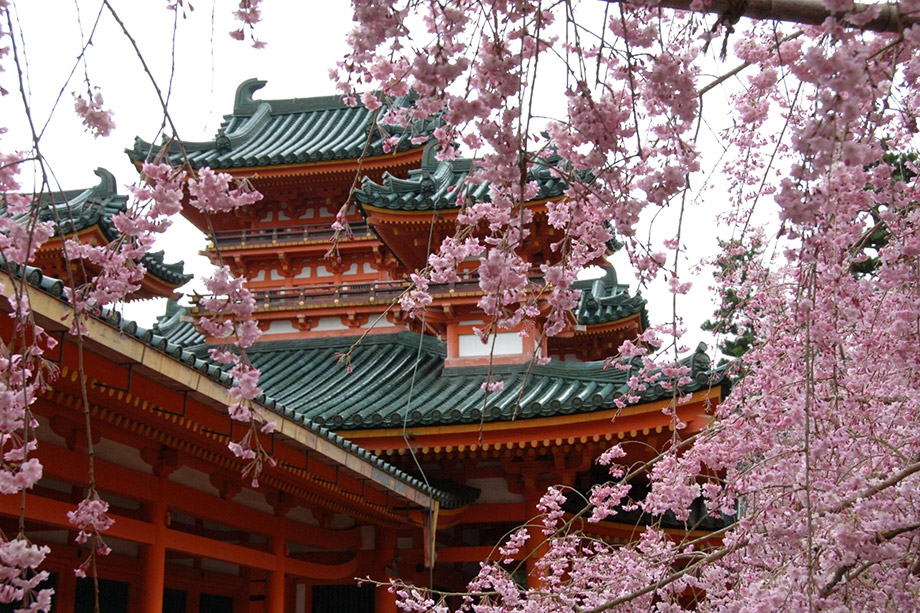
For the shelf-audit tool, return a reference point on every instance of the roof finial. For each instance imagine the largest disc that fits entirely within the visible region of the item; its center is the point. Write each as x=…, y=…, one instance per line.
x=243, y=103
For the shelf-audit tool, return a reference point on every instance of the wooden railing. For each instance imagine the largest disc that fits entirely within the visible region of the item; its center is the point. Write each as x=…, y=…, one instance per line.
x=296, y=297
x=257, y=237
x=364, y=293
x=360, y=293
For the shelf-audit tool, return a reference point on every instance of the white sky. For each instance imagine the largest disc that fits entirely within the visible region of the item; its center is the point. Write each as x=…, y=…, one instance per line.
x=305, y=39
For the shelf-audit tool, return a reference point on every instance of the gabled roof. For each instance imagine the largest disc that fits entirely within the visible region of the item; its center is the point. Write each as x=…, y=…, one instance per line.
x=213, y=371
x=81, y=209
x=289, y=131
x=437, y=184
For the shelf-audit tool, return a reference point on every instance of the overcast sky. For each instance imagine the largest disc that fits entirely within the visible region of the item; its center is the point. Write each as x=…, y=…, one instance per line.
x=304, y=40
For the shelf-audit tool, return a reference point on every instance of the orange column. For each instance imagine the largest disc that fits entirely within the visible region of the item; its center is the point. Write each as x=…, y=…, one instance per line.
x=274, y=588
x=384, y=601
x=153, y=557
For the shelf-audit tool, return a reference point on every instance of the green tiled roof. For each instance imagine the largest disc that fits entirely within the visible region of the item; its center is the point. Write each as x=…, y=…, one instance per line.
x=79, y=209
x=175, y=325
x=291, y=131
x=436, y=185
x=305, y=377
x=604, y=300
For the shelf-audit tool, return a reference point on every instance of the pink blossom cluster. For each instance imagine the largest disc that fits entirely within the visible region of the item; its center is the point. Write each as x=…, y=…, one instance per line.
x=249, y=14
x=20, y=577
x=96, y=119
x=211, y=192
x=91, y=519
x=157, y=198
x=486, y=113
x=21, y=234
x=24, y=375
x=814, y=454
x=230, y=306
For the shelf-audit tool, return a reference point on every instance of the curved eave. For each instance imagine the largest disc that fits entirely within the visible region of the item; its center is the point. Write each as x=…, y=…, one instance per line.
x=324, y=167
x=624, y=323
x=607, y=424
x=154, y=287
x=416, y=216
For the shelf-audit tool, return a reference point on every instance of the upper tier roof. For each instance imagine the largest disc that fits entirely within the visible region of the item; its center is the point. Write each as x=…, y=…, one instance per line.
x=290, y=131
x=76, y=210
x=435, y=185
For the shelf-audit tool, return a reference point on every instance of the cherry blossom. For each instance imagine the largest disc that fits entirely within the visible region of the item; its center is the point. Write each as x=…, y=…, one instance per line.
x=91, y=520
x=96, y=119
x=811, y=462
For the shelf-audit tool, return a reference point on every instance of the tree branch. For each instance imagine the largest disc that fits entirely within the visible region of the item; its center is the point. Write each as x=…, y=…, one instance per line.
x=805, y=12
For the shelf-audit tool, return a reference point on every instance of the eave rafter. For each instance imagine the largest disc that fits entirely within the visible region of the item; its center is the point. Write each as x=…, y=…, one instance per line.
x=607, y=425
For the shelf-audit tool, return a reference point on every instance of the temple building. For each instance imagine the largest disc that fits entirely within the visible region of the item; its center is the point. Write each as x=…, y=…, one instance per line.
x=391, y=460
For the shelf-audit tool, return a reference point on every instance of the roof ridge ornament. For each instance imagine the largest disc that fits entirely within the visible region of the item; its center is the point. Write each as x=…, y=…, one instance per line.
x=243, y=102
x=106, y=186
x=222, y=142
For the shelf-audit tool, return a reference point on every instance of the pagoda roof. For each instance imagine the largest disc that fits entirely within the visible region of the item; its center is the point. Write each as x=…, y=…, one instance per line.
x=603, y=300
x=393, y=384
x=436, y=185
x=400, y=380
x=289, y=131
x=74, y=211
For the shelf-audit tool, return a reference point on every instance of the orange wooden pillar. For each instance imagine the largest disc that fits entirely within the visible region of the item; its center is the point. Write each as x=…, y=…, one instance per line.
x=275, y=585
x=153, y=577
x=384, y=601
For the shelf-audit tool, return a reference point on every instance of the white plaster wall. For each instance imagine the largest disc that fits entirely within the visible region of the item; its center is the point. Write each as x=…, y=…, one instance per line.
x=506, y=343
x=281, y=327
x=329, y=323
x=322, y=271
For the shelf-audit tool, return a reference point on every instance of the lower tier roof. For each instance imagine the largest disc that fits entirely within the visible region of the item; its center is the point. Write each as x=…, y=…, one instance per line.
x=400, y=380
